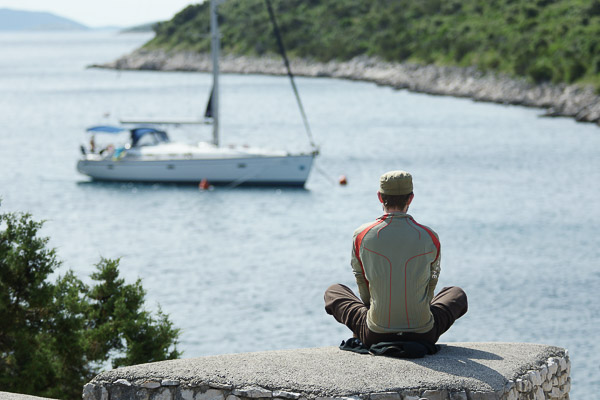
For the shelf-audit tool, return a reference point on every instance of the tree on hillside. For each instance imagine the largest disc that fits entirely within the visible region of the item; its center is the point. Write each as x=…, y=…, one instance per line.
x=56, y=336
x=542, y=40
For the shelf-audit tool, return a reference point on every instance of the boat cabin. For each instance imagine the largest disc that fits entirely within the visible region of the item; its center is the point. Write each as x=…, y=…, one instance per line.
x=138, y=136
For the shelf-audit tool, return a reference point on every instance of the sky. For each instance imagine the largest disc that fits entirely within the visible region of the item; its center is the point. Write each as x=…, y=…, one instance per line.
x=99, y=13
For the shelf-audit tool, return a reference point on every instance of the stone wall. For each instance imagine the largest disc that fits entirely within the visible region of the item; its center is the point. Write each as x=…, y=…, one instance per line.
x=549, y=379
x=581, y=103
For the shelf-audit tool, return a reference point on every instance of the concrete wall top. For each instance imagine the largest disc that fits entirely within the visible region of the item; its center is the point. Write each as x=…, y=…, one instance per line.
x=331, y=372
x=17, y=396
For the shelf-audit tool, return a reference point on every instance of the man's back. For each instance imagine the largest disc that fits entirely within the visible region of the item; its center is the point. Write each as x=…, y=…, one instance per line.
x=396, y=262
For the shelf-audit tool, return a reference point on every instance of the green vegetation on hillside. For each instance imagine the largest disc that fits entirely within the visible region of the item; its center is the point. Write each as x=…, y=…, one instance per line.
x=544, y=40
x=56, y=336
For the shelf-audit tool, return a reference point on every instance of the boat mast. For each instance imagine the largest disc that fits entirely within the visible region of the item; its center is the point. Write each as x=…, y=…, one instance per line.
x=215, y=50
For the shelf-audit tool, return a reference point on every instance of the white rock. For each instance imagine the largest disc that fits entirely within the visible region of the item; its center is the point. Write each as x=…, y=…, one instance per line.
x=123, y=382
x=286, y=395
x=169, y=382
x=552, y=366
x=211, y=394
x=547, y=386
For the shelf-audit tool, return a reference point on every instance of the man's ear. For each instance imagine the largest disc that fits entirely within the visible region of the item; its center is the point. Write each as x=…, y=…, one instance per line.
x=410, y=199
x=379, y=197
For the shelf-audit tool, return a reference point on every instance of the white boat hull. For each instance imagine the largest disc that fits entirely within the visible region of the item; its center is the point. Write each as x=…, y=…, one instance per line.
x=289, y=170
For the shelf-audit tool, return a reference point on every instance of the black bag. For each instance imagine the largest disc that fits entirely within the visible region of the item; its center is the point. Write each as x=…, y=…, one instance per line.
x=400, y=349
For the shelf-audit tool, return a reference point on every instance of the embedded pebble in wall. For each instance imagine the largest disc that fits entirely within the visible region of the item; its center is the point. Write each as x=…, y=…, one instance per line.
x=286, y=395
x=150, y=384
x=221, y=386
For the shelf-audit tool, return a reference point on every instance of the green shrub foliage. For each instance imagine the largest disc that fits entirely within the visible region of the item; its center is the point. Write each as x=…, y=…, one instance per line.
x=56, y=336
x=544, y=40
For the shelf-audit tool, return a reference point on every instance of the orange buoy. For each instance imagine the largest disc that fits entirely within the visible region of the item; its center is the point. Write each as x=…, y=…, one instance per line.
x=203, y=185
x=343, y=180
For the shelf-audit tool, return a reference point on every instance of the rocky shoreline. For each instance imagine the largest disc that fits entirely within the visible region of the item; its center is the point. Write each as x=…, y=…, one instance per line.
x=581, y=103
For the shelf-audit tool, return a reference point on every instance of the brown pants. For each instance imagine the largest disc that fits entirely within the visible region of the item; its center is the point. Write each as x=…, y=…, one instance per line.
x=447, y=306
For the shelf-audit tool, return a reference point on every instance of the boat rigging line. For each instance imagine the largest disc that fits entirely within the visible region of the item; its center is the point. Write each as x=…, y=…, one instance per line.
x=289, y=72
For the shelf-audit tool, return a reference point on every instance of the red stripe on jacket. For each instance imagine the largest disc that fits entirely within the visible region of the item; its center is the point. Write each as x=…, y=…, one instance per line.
x=358, y=243
x=435, y=240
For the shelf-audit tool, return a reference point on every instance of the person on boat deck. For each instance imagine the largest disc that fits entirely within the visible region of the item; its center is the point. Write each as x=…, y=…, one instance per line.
x=396, y=263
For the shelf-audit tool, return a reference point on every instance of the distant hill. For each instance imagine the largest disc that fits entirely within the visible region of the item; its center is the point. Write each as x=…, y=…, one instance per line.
x=543, y=40
x=17, y=20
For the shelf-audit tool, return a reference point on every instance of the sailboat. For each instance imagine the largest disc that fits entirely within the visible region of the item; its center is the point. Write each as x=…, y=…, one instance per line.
x=150, y=155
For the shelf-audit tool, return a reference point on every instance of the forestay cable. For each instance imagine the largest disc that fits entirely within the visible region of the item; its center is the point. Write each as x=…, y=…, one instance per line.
x=289, y=72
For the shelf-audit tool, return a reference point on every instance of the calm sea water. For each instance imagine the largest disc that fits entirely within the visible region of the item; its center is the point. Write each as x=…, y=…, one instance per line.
x=514, y=198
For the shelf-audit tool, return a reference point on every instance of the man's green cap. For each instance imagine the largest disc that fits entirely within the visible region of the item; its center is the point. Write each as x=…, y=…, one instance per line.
x=395, y=183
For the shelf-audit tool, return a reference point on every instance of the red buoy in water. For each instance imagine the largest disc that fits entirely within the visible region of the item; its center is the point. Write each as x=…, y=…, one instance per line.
x=343, y=180
x=203, y=185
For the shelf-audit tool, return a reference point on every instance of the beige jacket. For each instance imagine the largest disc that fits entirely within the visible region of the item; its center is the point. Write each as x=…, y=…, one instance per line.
x=396, y=262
